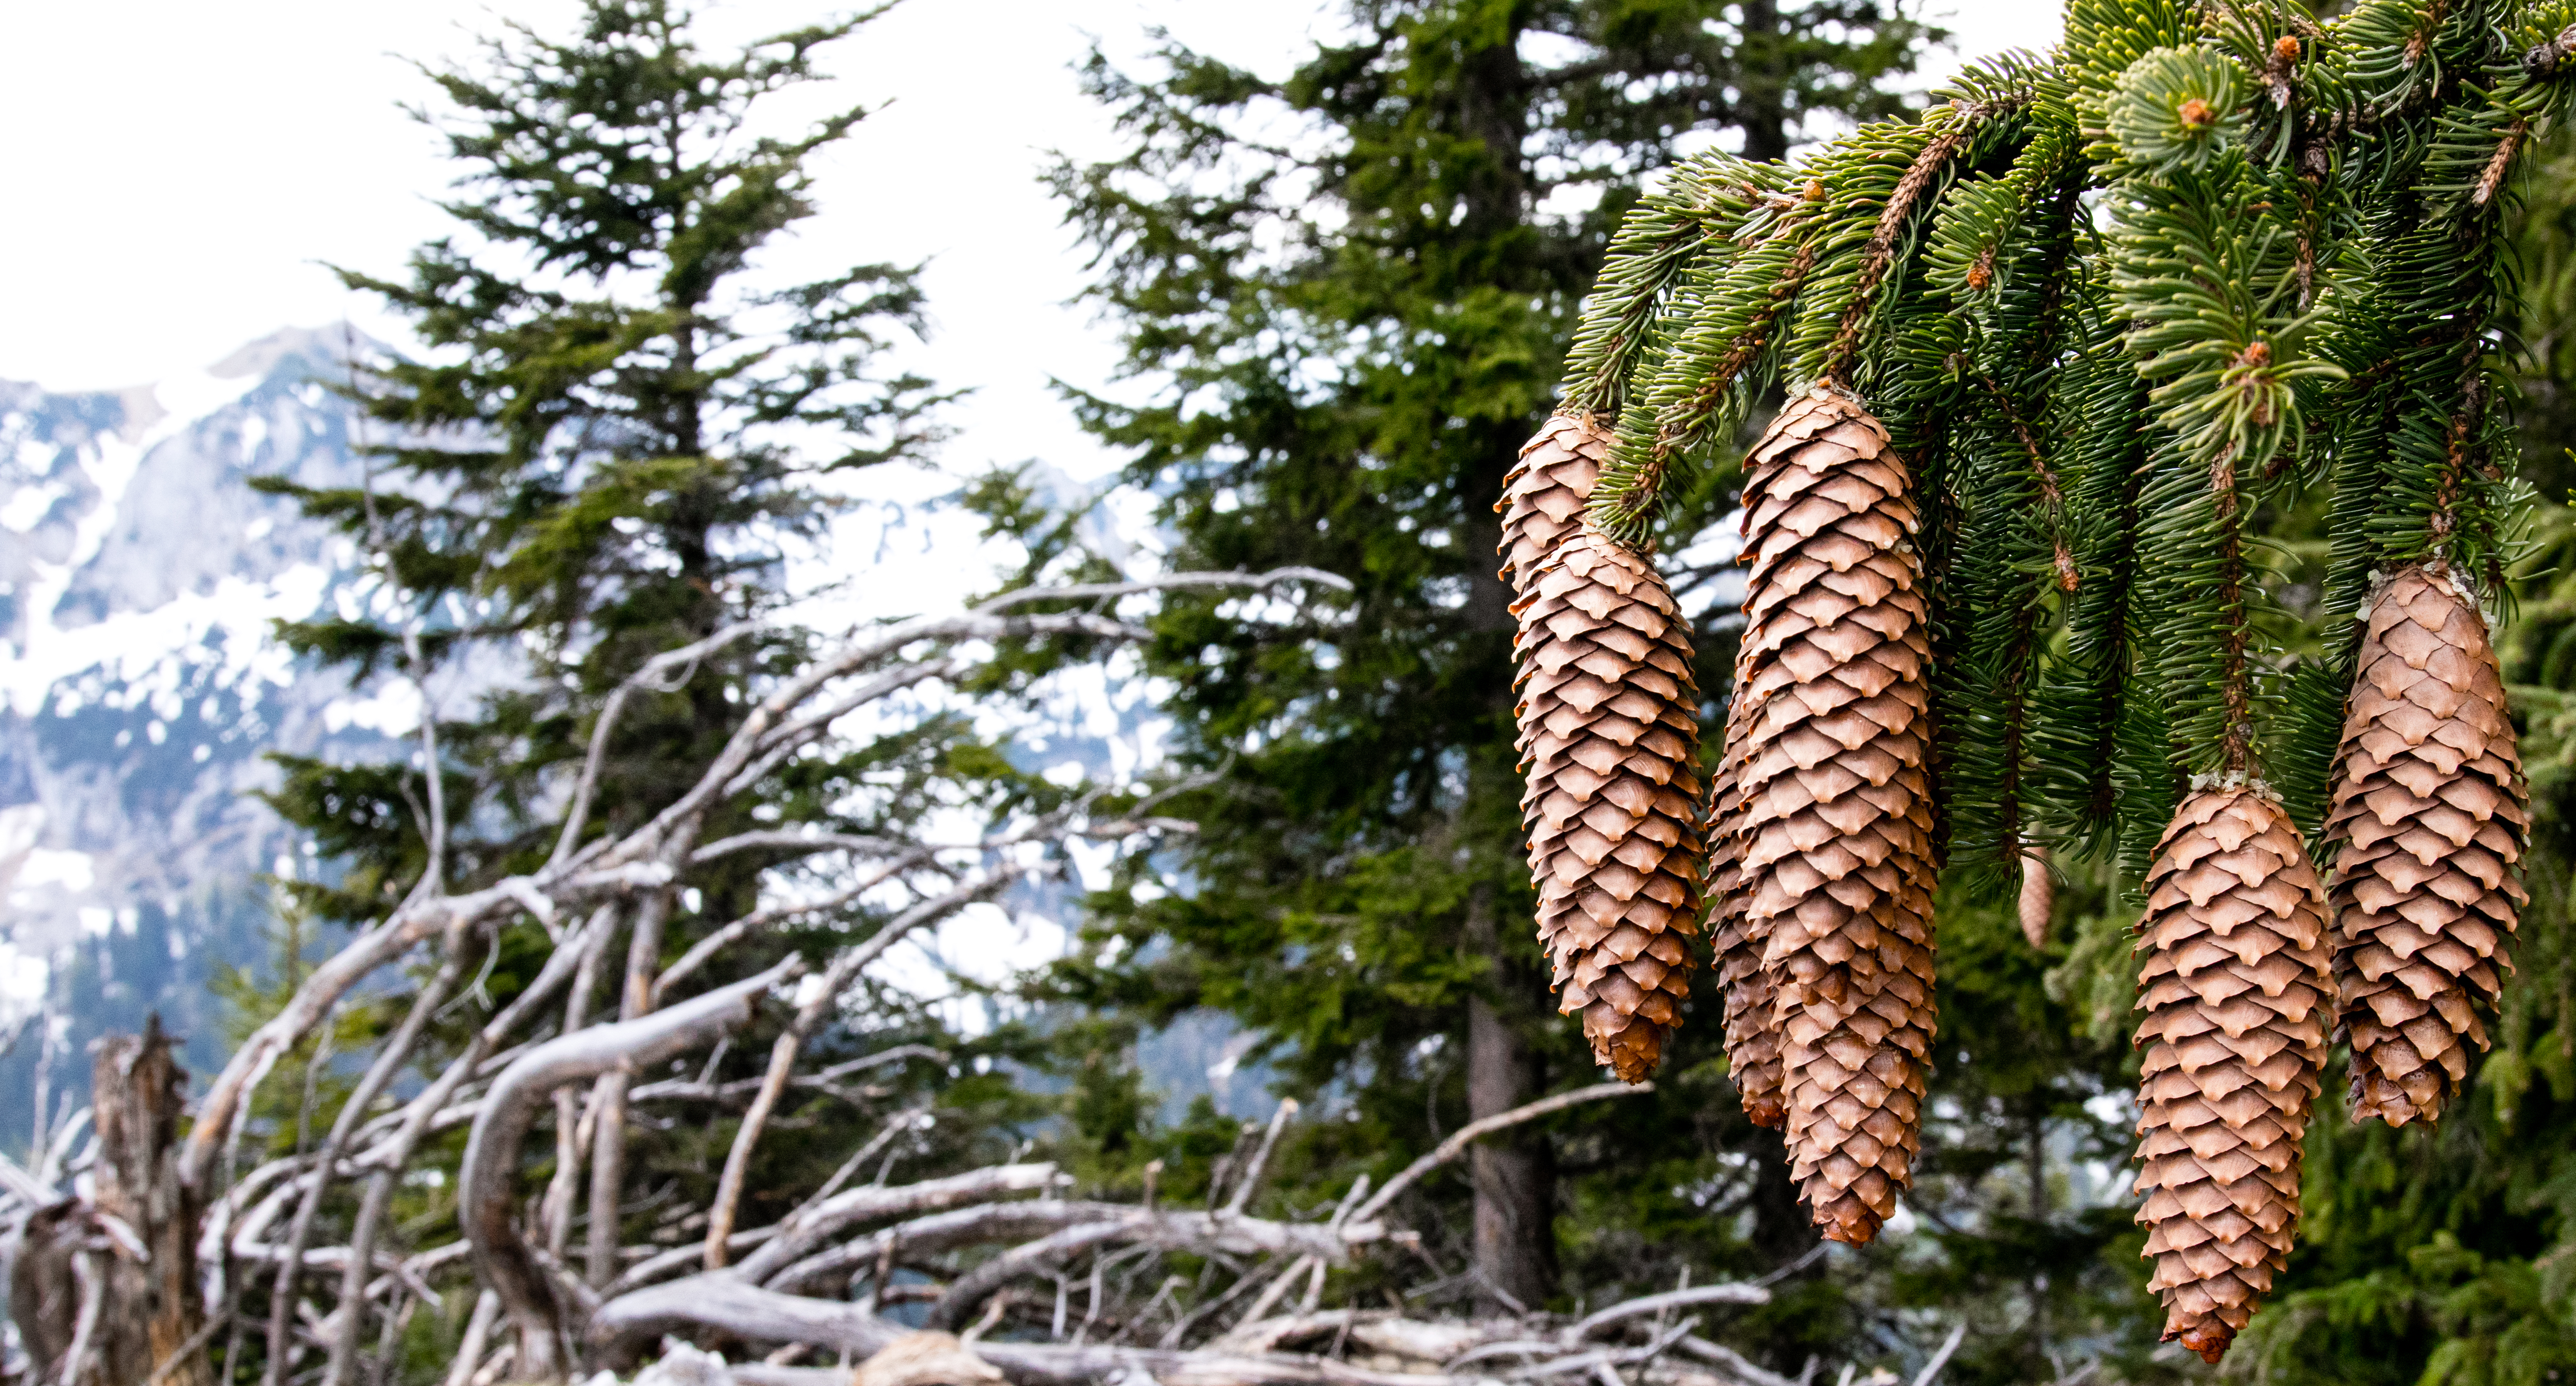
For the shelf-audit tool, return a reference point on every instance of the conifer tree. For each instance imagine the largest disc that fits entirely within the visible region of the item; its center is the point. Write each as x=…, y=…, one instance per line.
x=1357, y=339
x=2108, y=309
x=615, y=427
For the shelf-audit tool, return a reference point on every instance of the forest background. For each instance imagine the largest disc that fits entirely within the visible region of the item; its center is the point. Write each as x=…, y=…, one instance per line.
x=1348, y=288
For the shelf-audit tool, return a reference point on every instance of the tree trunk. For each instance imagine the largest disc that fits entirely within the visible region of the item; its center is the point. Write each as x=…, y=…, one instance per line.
x=1762, y=77
x=1514, y=1176
x=145, y=1311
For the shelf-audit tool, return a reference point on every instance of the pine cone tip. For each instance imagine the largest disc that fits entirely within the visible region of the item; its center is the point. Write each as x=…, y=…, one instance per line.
x=1629, y=1046
x=2210, y=1340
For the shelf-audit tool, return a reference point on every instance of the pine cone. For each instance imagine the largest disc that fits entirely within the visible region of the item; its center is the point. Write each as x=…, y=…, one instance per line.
x=1836, y=827
x=1609, y=737
x=1545, y=492
x=2038, y=900
x=2429, y=817
x=1752, y=1018
x=2235, y=991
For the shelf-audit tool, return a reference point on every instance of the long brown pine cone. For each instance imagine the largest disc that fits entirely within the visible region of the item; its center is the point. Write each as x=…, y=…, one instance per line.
x=2236, y=994
x=2429, y=818
x=1753, y=1058
x=1609, y=737
x=1545, y=492
x=1836, y=827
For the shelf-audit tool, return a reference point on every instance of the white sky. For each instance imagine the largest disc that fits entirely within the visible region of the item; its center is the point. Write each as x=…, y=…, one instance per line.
x=180, y=167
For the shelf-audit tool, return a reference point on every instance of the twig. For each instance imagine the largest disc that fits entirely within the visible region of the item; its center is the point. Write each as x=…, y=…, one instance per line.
x=652, y=677
x=389, y=1060
x=483, y=1195
x=1670, y=1299
x=1271, y=1294
x=1243, y=1187
x=1468, y=1134
x=92, y=1280
x=1732, y=1361
x=1932, y=1370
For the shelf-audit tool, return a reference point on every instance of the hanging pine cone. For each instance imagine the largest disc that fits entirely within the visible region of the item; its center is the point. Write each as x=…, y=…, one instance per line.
x=2037, y=902
x=1609, y=737
x=2429, y=817
x=1752, y=1018
x=1836, y=827
x=1545, y=492
x=2235, y=991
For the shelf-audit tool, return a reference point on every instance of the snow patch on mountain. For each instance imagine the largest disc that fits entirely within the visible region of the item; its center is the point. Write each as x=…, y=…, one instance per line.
x=139, y=689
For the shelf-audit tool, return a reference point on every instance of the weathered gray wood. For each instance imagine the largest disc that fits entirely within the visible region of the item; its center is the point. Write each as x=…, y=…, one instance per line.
x=486, y=1204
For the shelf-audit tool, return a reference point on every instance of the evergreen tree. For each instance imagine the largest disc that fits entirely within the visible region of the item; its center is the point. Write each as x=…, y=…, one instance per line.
x=616, y=426
x=1356, y=331
x=2278, y=321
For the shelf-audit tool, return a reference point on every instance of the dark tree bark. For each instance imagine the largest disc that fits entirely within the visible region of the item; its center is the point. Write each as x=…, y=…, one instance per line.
x=1764, y=105
x=1515, y=1178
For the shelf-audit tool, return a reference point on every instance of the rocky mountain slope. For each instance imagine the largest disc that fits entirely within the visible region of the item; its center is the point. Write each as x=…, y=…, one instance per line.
x=139, y=691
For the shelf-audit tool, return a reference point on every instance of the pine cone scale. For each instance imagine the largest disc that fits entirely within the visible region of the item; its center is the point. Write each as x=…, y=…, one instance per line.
x=1753, y=1041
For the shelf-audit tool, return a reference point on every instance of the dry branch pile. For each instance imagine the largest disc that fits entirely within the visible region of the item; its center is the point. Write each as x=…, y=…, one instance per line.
x=167, y=1255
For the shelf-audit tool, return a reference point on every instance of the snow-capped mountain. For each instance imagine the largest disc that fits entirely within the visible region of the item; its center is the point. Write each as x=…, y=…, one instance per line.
x=139, y=575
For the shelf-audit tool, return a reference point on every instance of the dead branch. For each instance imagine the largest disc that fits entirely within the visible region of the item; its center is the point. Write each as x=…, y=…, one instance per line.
x=1043, y=1217
x=1473, y=1131
x=389, y=1059
x=807, y=1228
x=825, y=992
x=655, y=676
x=492, y=1151
x=767, y=1316
x=1670, y=1299
x=1941, y=1357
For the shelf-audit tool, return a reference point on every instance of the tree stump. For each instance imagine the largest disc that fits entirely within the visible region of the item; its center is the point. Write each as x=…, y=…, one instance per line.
x=133, y=1243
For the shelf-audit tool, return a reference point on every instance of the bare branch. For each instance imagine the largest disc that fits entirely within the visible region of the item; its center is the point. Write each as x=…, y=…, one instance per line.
x=1735, y=1362
x=484, y=1201
x=653, y=676
x=389, y=1059
x=760, y=1315
x=1171, y=582
x=806, y=1228
x=327, y=983
x=724, y=938
x=1670, y=1299
x=478, y=1331
x=795, y=842
x=1243, y=1187
x=1468, y=1134
x=824, y=993
x=1932, y=1370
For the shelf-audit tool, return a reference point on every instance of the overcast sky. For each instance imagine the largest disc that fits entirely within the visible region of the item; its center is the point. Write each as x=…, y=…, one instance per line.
x=179, y=169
